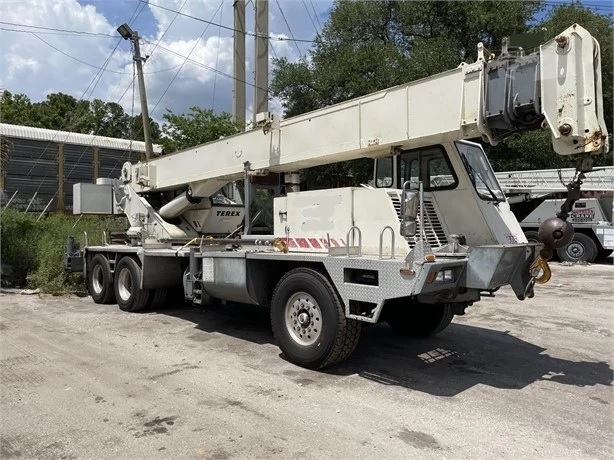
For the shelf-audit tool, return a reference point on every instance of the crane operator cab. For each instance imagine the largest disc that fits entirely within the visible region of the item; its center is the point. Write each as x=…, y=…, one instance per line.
x=460, y=190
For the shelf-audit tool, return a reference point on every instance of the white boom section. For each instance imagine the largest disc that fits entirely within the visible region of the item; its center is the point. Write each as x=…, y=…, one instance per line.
x=429, y=111
x=442, y=108
x=548, y=181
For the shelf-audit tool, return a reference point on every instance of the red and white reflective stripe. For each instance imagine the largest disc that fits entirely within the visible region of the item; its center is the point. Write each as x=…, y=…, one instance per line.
x=313, y=244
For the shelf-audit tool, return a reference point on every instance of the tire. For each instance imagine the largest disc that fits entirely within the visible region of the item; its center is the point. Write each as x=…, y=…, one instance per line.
x=604, y=254
x=157, y=299
x=532, y=236
x=418, y=319
x=100, y=280
x=130, y=297
x=328, y=337
x=581, y=249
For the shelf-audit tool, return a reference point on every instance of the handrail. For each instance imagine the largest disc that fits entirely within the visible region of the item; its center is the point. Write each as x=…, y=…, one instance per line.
x=381, y=241
x=347, y=237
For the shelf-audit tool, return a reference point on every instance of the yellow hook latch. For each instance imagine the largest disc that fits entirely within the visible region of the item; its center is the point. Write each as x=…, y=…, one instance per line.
x=540, y=265
x=281, y=245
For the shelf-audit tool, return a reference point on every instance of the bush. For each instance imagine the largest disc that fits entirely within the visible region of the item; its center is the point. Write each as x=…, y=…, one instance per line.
x=18, y=243
x=35, y=250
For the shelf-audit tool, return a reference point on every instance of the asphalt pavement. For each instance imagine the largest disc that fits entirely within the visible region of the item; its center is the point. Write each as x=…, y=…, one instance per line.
x=509, y=379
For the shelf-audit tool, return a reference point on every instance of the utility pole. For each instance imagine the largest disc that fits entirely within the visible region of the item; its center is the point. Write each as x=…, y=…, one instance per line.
x=261, y=91
x=238, y=93
x=128, y=34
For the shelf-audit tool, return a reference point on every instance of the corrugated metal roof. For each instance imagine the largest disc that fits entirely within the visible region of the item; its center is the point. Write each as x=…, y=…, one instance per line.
x=51, y=135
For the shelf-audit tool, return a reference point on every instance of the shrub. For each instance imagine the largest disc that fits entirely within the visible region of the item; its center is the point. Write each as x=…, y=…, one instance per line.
x=35, y=250
x=18, y=243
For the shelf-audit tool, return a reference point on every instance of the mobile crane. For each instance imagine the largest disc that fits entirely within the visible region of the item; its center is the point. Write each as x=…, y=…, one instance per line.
x=431, y=237
x=535, y=195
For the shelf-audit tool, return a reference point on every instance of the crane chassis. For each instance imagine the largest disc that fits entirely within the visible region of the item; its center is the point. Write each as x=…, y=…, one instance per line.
x=431, y=236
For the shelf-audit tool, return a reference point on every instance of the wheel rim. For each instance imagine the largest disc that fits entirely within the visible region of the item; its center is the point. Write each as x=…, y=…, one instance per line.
x=303, y=319
x=124, y=284
x=97, y=279
x=576, y=250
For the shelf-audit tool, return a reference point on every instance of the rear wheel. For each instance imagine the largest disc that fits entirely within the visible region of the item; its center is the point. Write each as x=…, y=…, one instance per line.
x=157, y=298
x=581, y=249
x=128, y=293
x=308, y=320
x=100, y=280
x=604, y=254
x=418, y=319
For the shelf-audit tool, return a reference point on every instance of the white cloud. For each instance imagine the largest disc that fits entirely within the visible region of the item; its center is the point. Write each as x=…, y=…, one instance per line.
x=31, y=66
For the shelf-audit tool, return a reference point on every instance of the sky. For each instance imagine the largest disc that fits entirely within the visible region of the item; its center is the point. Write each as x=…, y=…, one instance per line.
x=38, y=61
x=40, y=53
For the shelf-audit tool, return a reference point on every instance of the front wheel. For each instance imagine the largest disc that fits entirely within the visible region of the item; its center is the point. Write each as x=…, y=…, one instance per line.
x=581, y=249
x=128, y=293
x=418, y=319
x=308, y=320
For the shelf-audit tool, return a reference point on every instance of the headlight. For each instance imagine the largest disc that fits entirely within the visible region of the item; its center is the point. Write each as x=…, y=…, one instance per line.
x=445, y=276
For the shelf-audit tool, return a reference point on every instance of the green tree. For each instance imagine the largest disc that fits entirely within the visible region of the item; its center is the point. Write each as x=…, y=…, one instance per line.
x=108, y=119
x=366, y=46
x=135, y=129
x=16, y=109
x=63, y=111
x=196, y=127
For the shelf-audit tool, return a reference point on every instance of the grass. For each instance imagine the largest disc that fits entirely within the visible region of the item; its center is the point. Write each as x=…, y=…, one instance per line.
x=35, y=250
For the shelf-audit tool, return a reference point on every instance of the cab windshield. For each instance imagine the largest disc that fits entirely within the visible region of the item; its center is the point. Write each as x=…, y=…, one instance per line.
x=480, y=172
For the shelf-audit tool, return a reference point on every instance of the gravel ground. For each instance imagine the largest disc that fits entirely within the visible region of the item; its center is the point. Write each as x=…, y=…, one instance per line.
x=510, y=379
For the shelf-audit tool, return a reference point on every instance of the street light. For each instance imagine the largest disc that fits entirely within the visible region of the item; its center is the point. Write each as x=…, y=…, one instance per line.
x=126, y=32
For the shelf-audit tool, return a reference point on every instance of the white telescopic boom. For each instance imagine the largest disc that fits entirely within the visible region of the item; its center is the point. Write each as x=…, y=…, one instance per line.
x=485, y=99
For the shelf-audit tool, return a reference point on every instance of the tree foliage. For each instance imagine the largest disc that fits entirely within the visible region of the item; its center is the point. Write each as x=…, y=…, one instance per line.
x=64, y=112
x=194, y=128
x=366, y=46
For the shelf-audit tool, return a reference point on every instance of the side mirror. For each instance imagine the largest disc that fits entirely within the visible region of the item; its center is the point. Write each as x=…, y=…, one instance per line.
x=410, y=201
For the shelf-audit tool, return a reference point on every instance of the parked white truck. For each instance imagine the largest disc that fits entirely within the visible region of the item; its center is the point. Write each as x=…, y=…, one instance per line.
x=412, y=250
x=535, y=196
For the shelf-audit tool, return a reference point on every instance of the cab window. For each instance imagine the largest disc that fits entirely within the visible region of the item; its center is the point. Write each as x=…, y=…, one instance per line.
x=429, y=165
x=383, y=172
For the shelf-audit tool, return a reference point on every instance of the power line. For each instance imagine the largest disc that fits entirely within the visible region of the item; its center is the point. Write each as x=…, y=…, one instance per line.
x=168, y=27
x=289, y=29
x=310, y=18
x=315, y=14
x=74, y=32
x=205, y=66
x=42, y=32
x=590, y=6
x=183, y=64
x=94, y=82
x=77, y=59
x=232, y=29
x=217, y=55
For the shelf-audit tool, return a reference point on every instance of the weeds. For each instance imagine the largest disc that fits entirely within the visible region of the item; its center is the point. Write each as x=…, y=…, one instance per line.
x=35, y=250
